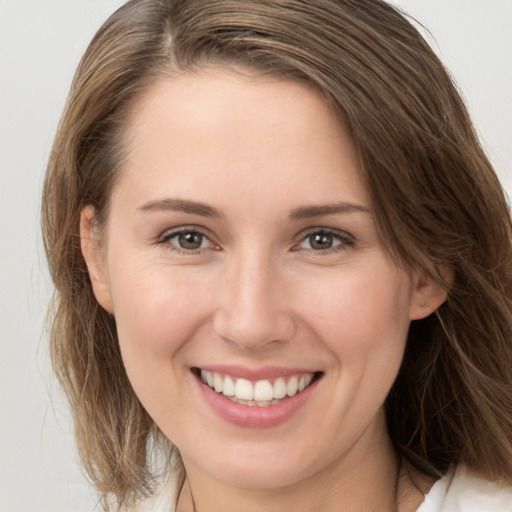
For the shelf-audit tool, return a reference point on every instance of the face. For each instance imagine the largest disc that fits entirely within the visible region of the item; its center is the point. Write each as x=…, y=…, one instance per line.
x=241, y=254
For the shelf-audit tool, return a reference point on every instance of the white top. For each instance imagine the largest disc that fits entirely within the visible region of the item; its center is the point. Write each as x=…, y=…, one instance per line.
x=457, y=491
x=462, y=491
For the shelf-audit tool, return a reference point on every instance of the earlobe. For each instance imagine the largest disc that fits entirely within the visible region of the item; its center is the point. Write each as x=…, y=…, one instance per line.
x=91, y=251
x=428, y=295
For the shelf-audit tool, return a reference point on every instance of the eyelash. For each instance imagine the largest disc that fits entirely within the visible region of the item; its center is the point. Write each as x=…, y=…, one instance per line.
x=166, y=238
x=345, y=240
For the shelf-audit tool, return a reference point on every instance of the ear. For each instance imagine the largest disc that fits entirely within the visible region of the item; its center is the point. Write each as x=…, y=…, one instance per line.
x=427, y=294
x=94, y=259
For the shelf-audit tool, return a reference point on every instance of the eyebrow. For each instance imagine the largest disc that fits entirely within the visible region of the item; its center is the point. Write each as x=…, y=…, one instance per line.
x=308, y=212
x=181, y=205
x=205, y=210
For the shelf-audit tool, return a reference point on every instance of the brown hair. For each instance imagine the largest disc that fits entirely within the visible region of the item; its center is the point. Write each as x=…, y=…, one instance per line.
x=437, y=204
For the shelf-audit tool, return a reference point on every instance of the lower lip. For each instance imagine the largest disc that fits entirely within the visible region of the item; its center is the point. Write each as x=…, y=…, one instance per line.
x=255, y=417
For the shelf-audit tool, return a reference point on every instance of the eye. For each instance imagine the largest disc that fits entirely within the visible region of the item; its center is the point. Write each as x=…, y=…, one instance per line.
x=185, y=240
x=325, y=240
x=190, y=240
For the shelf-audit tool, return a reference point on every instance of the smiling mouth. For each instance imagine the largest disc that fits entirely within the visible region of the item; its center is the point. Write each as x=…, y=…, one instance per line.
x=261, y=393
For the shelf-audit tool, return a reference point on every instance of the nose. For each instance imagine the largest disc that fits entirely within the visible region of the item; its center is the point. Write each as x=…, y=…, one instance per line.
x=253, y=311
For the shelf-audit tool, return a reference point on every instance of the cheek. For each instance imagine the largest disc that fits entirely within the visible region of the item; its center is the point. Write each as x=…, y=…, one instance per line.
x=359, y=314
x=157, y=312
x=363, y=321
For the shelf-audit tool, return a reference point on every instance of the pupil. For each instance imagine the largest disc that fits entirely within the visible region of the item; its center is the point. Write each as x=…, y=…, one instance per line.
x=190, y=240
x=321, y=241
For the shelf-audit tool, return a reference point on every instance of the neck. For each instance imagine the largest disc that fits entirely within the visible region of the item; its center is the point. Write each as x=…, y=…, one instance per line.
x=368, y=479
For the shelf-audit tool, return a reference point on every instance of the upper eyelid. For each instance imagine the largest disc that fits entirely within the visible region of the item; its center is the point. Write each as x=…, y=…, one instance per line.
x=331, y=231
x=171, y=232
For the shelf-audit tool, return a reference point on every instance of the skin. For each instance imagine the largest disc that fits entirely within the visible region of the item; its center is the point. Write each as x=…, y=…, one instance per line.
x=257, y=292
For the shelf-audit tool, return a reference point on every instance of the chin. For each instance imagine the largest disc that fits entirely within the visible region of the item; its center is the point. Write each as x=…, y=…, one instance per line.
x=260, y=468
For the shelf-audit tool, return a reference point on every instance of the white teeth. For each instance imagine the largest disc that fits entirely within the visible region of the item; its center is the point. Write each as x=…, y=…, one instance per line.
x=218, y=383
x=229, y=387
x=252, y=403
x=261, y=393
x=292, y=386
x=279, y=388
x=244, y=390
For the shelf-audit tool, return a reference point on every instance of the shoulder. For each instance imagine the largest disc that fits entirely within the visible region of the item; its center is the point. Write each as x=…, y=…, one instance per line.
x=461, y=490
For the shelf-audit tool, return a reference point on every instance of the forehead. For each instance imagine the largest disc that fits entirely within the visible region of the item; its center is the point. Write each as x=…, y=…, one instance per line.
x=214, y=95
x=223, y=129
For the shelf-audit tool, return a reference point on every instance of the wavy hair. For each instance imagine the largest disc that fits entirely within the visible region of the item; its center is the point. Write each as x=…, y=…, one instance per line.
x=436, y=199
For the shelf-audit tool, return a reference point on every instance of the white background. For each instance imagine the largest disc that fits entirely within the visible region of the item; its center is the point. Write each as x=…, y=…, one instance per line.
x=40, y=44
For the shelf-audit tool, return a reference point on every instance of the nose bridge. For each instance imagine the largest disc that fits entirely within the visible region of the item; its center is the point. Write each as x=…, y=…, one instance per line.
x=251, y=311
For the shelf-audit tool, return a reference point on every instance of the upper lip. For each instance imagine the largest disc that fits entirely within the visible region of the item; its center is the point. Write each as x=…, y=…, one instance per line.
x=255, y=374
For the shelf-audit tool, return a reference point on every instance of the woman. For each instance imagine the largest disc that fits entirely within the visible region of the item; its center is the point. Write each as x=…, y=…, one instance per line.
x=282, y=259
